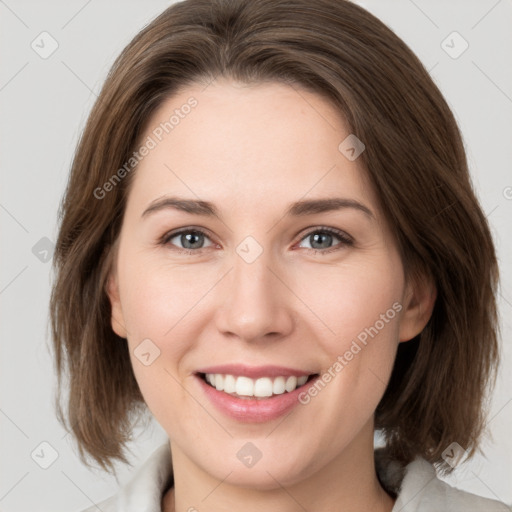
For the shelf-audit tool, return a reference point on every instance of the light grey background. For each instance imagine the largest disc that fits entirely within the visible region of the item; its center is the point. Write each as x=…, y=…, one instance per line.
x=44, y=105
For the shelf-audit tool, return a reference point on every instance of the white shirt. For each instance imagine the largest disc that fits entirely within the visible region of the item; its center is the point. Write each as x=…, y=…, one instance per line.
x=417, y=488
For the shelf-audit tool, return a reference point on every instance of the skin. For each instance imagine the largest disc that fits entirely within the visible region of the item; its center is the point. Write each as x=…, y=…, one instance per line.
x=253, y=150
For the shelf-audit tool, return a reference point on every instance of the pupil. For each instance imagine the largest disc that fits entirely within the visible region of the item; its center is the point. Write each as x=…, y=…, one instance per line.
x=189, y=240
x=317, y=238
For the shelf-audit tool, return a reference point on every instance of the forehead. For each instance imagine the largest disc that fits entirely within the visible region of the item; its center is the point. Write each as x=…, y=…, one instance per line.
x=248, y=146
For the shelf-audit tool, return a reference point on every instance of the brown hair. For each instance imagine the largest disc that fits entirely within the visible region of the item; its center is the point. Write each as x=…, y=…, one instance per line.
x=414, y=157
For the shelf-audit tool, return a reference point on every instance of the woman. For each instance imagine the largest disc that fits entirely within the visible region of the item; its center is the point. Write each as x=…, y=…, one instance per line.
x=270, y=240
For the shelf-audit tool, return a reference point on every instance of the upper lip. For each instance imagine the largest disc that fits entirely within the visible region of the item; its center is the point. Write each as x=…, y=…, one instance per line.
x=255, y=372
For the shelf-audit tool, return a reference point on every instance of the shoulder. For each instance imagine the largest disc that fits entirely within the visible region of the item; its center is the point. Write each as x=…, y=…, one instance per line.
x=145, y=488
x=421, y=490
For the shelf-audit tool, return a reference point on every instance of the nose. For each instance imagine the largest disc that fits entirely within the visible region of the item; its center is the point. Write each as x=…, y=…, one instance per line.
x=256, y=305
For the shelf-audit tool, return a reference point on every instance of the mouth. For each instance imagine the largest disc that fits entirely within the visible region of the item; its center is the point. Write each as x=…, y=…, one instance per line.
x=254, y=394
x=261, y=388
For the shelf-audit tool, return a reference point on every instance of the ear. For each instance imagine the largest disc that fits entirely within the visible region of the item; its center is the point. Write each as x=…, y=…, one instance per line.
x=420, y=297
x=117, y=318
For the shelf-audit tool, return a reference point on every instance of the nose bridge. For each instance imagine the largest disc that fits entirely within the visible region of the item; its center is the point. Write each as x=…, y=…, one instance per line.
x=251, y=280
x=254, y=305
x=251, y=275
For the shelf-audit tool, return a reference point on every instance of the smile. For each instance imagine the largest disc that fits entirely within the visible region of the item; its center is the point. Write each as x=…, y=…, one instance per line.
x=263, y=387
x=254, y=394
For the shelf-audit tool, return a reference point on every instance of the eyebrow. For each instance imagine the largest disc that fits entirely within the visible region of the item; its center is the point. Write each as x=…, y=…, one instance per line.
x=297, y=209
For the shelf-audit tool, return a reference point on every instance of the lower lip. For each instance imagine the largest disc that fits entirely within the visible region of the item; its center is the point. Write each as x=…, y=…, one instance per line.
x=253, y=410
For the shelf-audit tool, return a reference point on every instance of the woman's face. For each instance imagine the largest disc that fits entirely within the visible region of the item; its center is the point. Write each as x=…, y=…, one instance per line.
x=266, y=278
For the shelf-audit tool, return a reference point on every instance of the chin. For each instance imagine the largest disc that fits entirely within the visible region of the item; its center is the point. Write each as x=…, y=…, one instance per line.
x=272, y=472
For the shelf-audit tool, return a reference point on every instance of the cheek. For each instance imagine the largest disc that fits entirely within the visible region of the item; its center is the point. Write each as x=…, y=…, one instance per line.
x=350, y=299
x=164, y=311
x=358, y=309
x=160, y=299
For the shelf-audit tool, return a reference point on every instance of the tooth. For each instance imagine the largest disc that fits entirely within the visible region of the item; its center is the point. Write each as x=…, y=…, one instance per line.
x=219, y=382
x=278, y=387
x=302, y=380
x=291, y=383
x=244, y=386
x=229, y=384
x=263, y=387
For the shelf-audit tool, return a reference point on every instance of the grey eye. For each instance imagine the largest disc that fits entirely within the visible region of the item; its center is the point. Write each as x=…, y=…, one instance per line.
x=190, y=239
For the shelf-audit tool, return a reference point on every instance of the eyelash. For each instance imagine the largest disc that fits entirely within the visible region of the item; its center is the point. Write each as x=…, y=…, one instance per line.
x=345, y=240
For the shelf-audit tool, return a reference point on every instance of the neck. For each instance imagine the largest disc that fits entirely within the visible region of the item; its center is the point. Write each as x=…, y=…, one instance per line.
x=347, y=482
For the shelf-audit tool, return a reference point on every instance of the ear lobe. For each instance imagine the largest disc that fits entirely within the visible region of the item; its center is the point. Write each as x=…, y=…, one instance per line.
x=117, y=318
x=419, y=303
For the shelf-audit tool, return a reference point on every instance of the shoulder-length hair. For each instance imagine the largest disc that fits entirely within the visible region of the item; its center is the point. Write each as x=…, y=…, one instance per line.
x=414, y=158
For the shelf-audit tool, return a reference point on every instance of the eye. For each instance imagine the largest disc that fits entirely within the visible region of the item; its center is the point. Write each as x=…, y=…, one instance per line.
x=191, y=240
x=320, y=240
